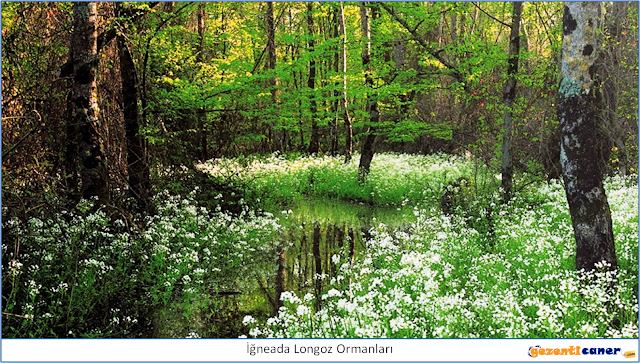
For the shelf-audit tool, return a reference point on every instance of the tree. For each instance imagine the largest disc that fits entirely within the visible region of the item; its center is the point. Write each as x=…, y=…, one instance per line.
x=345, y=100
x=84, y=48
x=508, y=101
x=582, y=169
x=314, y=143
x=201, y=114
x=612, y=77
x=372, y=105
x=137, y=164
x=274, y=81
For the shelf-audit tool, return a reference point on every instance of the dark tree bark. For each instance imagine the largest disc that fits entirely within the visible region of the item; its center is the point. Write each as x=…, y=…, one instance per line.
x=274, y=81
x=335, y=25
x=83, y=46
x=314, y=143
x=508, y=101
x=137, y=164
x=72, y=178
x=582, y=168
x=372, y=105
x=348, y=150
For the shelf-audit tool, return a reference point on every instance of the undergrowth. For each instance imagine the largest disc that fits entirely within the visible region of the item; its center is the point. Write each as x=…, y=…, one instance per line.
x=82, y=274
x=395, y=179
x=445, y=279
x=468, y=267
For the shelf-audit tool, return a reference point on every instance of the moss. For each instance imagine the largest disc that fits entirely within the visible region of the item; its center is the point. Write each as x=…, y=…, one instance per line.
x=569, y=88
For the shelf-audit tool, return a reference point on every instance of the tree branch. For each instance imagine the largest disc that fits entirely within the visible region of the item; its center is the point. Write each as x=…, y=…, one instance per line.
x=491, y=16
x=453, y=71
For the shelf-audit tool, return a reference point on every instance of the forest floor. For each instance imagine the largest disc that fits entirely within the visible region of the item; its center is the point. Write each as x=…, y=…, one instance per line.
x=481, y=269
x=438, y=255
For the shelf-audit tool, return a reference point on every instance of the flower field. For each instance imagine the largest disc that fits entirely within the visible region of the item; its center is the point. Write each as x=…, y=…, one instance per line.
x=465, y=267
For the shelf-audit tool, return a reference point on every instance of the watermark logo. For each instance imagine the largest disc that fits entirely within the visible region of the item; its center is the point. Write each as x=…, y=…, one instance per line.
x=538, y=350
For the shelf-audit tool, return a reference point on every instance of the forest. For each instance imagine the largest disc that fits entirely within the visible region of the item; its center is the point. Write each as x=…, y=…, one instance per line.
x=320, y=169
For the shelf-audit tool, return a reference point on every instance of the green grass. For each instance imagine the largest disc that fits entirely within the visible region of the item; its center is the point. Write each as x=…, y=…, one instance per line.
x=480, y=270
x=395, y=179
x=444, y=278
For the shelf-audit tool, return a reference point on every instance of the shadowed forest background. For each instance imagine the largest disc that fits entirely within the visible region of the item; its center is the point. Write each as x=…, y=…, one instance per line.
x=183, y=169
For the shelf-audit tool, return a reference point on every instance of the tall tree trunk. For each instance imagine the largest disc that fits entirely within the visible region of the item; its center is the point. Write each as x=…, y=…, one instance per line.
x=314, y=143
x=508, y=102
x=201, y=114
x=83, y=46
x=582, y=169
x=137, y=165
x=71, y=145
x=336, y=93
x=274, y=81
x=372, y=105
x=348, y=150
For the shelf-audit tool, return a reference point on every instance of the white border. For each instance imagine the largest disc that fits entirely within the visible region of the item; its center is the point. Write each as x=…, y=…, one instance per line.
x=235, y=350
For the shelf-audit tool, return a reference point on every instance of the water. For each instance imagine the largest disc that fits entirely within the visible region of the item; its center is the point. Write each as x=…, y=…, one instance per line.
x=318, y=233
x=313, y=231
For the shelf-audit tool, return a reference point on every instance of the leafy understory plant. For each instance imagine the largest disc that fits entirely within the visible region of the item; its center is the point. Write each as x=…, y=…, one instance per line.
x=394, y=178
x=441, y=280
x=84, y=274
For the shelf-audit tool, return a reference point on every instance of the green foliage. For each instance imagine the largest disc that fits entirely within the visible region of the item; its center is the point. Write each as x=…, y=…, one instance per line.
x=437, y=280
x=395, y=179
x=81, y=274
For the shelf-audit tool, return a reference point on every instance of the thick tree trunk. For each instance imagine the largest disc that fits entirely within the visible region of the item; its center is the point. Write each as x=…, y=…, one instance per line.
x=83, y=46
x=582, y=169
x=72, y=178
x=314, y=143
x=508, y=102
x=137, y=165
x=372, y=105
x=348, y=149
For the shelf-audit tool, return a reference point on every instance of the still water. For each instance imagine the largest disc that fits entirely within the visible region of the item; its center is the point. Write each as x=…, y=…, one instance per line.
x=314, y=231
x=318, y=231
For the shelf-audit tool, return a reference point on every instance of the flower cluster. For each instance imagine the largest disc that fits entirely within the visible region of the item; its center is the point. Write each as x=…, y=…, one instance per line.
x=85, y=270
x=394, y=178
x=441, y=279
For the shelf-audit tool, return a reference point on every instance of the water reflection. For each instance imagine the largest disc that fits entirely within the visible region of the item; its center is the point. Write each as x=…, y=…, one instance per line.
x=318, y=235
x=314, y=231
